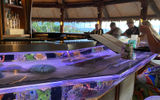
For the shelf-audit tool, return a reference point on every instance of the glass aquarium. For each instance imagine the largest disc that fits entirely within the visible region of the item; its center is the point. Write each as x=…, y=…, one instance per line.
x=66, y=74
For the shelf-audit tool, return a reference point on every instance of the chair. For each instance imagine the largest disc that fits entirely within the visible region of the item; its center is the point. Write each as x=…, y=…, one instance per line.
x=153, y=39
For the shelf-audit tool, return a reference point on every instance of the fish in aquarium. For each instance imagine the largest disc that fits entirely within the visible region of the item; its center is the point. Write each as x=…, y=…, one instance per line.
x=42, y=68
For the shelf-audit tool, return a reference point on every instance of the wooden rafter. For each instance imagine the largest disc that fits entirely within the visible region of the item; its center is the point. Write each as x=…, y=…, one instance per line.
x=63, y=3
x=75, y=5
x=105, y=12
x=92, y=19
x=60, y=1
x=65, y=13
x=46, y=5
x=154, y=7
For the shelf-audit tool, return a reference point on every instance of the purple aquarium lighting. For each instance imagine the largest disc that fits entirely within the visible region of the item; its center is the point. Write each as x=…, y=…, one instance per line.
x=56, y=84
x=138, y=66
x=57, y=62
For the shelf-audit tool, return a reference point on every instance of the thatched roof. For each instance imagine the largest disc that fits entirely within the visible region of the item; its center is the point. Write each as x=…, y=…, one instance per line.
x=86, y=10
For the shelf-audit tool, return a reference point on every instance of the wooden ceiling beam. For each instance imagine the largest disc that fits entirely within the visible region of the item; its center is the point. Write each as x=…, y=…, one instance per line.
x=46, y=5
x=60, y=1
x=154, y=7
x=62, y=4
x=66, y=13
x=75, y=5
x=105, y=12
x=92, y=19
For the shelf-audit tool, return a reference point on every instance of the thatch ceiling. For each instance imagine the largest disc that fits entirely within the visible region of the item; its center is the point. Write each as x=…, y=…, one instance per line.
x=83, y=10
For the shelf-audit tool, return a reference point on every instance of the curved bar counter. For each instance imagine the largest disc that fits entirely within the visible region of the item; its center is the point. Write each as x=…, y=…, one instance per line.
x=71, y=67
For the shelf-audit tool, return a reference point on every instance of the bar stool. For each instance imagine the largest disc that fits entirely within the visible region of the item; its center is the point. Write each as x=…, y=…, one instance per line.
x=153, y=98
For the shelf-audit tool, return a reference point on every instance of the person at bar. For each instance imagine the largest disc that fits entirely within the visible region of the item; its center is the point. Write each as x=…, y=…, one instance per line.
x=132, y=29
x=151, y=36
x=97, y=30
x=143, y=36
x=115, y=31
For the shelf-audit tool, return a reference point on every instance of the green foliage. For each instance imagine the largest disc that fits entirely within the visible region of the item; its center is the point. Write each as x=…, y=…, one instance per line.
x=52, y=27
x=71, y=29
x=46, y=27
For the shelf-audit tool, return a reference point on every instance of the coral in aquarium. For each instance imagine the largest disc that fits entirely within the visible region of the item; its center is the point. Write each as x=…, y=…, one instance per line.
x=44, y=95
x=1, y=96
x=19, y=57
x=10, y=96
x=27, y=95
x=29, y=57
x=40, y=56
x=80, y=92
x=2, y=58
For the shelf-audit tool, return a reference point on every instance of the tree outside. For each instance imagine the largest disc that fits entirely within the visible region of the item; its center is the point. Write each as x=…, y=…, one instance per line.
x=46, y=26
x=53, y=27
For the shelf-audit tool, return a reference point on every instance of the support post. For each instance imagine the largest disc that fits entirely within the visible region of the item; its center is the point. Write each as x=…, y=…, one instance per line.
x=105, y=12
x=100, y=15
x=117, y=92
x=62, y=20
x=27, y=4
x=1, y=20
x=144, y=6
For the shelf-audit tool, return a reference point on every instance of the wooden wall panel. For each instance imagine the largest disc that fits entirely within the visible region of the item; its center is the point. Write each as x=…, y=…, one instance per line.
x=1, y=20
x=27, y=4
